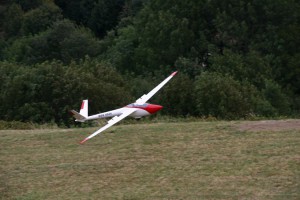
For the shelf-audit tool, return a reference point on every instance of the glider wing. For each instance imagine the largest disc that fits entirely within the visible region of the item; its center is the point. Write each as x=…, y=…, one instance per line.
x=146, y=97
x=111, y=122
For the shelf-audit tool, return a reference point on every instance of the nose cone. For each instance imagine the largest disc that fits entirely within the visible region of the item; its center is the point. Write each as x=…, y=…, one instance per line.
x=151, y=108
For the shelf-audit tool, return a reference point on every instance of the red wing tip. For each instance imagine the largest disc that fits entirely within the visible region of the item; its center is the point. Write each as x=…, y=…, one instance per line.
x=83, y=141
x=174, y=73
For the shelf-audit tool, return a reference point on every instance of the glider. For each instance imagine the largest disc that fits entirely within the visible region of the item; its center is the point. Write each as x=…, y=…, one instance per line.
x=138, y=109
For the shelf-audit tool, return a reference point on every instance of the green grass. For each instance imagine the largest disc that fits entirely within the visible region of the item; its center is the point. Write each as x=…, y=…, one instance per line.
x=191, y=160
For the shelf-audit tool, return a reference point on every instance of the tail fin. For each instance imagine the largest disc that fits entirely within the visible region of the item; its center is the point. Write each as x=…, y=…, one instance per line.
x=84, y=108
x=83, y=113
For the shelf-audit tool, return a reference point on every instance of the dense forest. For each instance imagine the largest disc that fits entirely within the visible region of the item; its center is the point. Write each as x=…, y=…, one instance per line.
x=236, y=58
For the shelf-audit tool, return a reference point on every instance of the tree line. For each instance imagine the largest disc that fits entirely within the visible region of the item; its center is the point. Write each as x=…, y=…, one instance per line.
x=236, y=59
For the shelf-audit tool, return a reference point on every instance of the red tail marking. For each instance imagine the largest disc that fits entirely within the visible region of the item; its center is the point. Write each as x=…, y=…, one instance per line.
x=82, y=105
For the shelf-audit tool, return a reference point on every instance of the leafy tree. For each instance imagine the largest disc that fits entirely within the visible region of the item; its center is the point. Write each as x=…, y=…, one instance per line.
x=172, y=38
x=287, y=62
x=13, y=18
x=192, y=67
x=99, y=15
x=230, y=33
x=131, y=7
x=46, y=92
x=277, y=98
x=66, y=41
x=28, y=5
x=121, y=54
x=178, y=97
x=104, y=16
x=223, y=97
x=40, y=18
x=251, y=67
x=63, y=41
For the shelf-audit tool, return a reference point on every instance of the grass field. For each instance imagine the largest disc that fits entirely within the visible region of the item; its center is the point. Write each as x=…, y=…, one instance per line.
x=192, y=160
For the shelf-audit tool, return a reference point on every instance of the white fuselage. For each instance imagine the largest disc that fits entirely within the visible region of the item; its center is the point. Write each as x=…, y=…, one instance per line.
x=141, y=110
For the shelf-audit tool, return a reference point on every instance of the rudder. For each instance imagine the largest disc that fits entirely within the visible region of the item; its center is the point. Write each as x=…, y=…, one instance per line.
x=84, y=108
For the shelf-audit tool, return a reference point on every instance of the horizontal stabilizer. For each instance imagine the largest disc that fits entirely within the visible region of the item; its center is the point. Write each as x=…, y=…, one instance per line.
x=78, y=117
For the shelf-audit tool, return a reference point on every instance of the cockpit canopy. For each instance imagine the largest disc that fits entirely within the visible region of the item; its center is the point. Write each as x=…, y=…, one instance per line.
x=137, y=105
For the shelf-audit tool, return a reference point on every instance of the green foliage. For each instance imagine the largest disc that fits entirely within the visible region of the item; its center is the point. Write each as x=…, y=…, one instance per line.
x=28, y=5
x=104, y=16
x=274, y=94
x=4, y=125
x=46, y=92
x=251, y=67
x=190, y=66
x=12, y=20
x=172, y=38
x=98, y=15
x=121, y=54
x=178, y=97
x=63, y=41
x=223, y=97
x=40, y=18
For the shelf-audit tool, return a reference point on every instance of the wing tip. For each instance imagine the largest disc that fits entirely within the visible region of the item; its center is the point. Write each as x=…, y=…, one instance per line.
x=174, y=73
x=83, y=141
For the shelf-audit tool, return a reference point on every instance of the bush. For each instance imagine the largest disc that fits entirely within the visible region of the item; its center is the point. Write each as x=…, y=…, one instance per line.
x=277, y=98
x=46, y=92
x=223, y=97
x=4, y=125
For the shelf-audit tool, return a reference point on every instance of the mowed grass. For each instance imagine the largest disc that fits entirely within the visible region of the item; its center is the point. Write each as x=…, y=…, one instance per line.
x=194, y=160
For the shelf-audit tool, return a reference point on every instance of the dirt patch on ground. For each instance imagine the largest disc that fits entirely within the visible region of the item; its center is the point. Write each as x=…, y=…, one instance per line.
x=270, y=125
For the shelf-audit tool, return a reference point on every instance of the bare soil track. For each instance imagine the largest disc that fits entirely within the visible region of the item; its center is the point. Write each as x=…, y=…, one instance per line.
x=270, y=125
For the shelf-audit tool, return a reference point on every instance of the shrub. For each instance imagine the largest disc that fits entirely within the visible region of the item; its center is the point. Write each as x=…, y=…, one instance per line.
x=223, y=97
